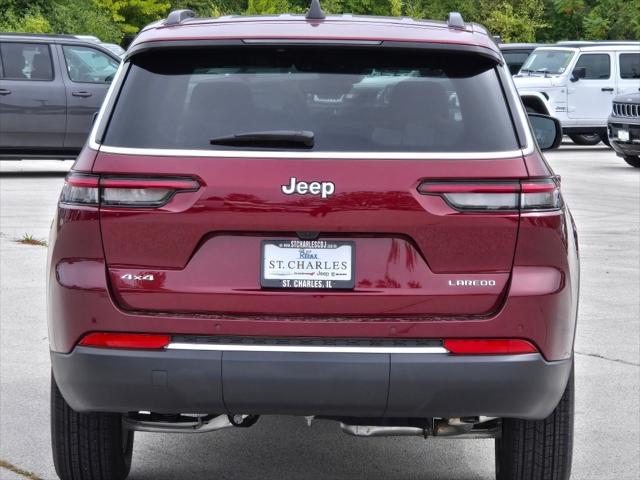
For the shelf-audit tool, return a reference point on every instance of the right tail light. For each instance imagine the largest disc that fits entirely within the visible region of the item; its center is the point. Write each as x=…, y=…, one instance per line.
x=527, y=195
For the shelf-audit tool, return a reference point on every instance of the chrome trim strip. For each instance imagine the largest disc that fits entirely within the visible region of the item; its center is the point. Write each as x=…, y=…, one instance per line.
x=301, y=348
x=92, y=143
x=524, y=119
x=169, y=152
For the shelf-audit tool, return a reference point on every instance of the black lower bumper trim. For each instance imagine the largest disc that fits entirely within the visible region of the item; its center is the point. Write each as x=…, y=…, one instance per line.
x=343, y=384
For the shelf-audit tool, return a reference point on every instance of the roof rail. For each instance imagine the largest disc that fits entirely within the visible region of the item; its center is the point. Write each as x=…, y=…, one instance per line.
x=455, y=20
x=176, y=17
x=315, y=11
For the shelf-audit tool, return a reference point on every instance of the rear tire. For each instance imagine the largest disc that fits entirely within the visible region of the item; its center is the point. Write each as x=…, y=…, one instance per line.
x=585, y=139
x=633, y=161
x=88, y=446
x=538, y=449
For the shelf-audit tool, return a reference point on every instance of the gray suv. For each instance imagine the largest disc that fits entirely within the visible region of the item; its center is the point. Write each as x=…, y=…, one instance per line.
x=50, y=88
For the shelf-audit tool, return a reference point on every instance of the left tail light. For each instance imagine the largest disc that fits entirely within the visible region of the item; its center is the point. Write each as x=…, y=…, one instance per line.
x=80, y=189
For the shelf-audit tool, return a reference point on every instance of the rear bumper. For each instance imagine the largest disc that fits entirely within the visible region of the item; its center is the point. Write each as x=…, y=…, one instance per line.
x=339, y=384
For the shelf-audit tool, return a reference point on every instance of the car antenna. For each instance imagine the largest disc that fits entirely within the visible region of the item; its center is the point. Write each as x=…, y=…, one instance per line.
x=315, y=11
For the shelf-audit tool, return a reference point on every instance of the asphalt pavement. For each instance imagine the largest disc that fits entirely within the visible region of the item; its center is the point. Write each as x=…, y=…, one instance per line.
x=604, y=196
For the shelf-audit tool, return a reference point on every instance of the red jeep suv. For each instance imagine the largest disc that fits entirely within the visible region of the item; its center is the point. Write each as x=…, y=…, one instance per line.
x=339, y=217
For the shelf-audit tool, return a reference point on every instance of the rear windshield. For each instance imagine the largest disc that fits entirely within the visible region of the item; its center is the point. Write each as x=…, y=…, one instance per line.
x=347, y=99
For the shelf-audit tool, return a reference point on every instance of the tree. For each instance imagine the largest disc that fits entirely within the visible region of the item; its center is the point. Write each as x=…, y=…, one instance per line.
x=73, y=16
x=265, y=7
x=131, y=15
x=514, y=21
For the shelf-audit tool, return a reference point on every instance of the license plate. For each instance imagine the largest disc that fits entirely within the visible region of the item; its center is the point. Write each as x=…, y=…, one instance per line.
x=623, y=135
x=303, y=264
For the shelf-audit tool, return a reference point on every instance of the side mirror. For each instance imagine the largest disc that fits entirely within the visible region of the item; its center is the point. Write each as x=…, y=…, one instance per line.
x=578, y=73
x=94, y=117
x=547, y=130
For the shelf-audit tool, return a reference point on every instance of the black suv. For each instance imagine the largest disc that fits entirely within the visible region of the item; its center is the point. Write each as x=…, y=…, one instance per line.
x=50, y=88
x=515, y=54
x=624, y=127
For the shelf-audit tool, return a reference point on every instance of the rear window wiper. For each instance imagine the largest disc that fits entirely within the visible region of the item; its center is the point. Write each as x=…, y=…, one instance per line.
x=268, y=139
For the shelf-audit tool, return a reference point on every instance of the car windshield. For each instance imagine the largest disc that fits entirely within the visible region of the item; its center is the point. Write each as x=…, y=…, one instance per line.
x=547, y=61
x=344, y=99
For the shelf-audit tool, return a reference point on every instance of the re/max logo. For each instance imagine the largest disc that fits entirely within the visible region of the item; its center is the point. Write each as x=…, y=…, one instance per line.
x=472, y=283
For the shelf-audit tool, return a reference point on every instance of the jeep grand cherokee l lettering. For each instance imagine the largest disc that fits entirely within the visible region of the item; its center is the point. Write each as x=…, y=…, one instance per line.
x=346, y=218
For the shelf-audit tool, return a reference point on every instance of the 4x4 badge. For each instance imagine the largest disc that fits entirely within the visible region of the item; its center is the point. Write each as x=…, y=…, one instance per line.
x=131, y=276
x=324, y=189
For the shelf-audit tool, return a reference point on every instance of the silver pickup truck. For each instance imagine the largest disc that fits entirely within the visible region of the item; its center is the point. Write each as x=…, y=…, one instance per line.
x=50, y=88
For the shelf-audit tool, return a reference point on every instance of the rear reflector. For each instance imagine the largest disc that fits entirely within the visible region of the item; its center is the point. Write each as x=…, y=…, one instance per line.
x=491, y=196
x=469, y=346
x=457, y=346
x=125, y=340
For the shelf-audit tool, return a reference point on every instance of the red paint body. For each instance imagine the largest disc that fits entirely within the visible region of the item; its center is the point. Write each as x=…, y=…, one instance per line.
x=203, y=247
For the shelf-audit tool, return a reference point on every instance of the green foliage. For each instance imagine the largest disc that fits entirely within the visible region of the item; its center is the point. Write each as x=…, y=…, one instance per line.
x=513, y=20
x=84, y=18
x=265, y=7
x=372, y=7
x=130, y=15
x=22, y=16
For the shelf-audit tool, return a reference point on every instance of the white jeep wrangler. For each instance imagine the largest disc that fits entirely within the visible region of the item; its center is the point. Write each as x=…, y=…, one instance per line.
x=576, y=82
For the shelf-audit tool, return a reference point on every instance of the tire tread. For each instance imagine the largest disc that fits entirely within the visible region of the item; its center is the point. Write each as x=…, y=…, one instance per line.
x=87, y=446
x=538, y=449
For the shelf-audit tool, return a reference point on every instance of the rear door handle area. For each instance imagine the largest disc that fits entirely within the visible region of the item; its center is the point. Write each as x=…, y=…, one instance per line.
x=82, y=94
x=4, y=91
x=607, y=89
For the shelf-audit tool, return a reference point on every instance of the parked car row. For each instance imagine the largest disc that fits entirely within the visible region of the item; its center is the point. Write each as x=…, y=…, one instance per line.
x=51, y=86
x=575, y=82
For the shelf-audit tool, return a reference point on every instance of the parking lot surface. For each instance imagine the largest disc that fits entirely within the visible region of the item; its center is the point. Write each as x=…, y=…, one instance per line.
x=604, y=196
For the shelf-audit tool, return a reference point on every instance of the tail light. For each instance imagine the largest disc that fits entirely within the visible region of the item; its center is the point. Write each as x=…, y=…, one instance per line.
x=80, y=189
x=143, y=192
x=472, y=346
x=530, y=195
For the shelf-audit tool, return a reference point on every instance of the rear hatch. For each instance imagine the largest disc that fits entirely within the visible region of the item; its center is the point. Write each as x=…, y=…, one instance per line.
x=301, y=182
